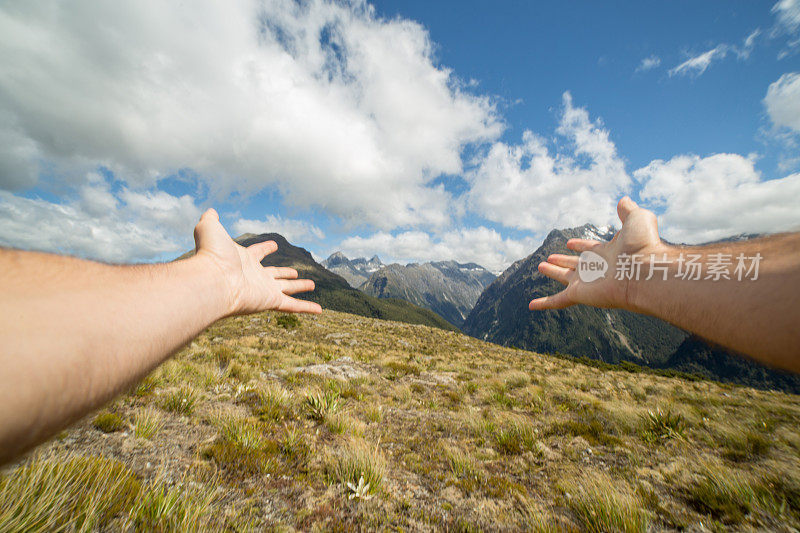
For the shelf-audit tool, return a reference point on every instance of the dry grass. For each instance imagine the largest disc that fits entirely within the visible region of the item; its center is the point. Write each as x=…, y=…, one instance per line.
x=449, y=433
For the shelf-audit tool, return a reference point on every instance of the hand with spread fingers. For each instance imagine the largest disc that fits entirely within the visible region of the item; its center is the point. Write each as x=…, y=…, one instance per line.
x=252, y=287
x=639, y=235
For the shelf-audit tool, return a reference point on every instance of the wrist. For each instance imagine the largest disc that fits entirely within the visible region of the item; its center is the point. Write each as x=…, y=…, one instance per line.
x=657, y=266
x=212, y=285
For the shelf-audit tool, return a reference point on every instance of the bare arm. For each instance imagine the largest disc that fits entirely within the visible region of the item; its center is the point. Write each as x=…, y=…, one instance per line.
x=759, y=317
x=74, y=333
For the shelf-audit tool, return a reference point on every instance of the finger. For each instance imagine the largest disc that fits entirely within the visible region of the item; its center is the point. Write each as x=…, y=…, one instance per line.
x=582, y=245
x=557, y=273
x=293, y=286
x=566, y=261
x=282, y=272
x=260, y=250
x=625, y=207
x=555, y=301
x=293, y=305
x=210, y=214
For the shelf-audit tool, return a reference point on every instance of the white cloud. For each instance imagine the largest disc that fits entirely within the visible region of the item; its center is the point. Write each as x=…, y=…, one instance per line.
x=709, y=198
x=527, y=187
x=292, y=230
x=478, y=245
x=648, y=63
x=99, y=225
x=783, y=101
x=698, y=64
x=787, y=13
x=335, y=107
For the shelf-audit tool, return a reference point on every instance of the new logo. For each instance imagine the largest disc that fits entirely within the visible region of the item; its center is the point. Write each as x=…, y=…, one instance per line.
x=591, y=267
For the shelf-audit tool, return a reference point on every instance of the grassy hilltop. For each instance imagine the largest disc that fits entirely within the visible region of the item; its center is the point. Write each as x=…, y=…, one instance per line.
x=339, y=422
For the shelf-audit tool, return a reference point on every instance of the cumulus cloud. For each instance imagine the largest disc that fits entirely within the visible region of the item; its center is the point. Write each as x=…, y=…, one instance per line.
x=648, y=63
x=331, y=105
x=707, y=198
x=98, y=224
x=292, y=230
x=479, y=245
x=527, y=187
x=783, y=102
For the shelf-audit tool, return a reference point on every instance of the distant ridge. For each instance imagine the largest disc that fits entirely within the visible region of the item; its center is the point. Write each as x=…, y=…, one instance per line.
x=355, y=271
x=448, y=288
x=333, y=292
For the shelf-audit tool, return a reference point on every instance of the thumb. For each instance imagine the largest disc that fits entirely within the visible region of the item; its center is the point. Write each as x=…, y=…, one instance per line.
x=625, y=207
x=204, y=229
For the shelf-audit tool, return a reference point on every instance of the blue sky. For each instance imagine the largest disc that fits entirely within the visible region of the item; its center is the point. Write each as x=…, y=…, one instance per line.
x=415, y=130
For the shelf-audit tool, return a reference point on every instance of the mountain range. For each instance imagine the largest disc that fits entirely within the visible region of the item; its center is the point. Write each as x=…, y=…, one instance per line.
x=355, y=271
x=500, y=315
x=448, y=288
x=333, y=292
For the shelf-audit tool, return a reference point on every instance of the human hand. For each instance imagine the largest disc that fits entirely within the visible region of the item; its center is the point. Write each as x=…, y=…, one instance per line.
x=250, y=287
x=639, y=235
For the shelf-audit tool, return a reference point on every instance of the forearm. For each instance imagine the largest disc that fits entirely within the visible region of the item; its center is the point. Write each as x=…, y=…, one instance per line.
x=76, y=333
x=758, y=317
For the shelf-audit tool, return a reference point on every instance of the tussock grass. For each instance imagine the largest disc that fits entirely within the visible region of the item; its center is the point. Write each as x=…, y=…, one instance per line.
x=356, y=458
x=661, y=425
x=76, y=493
x=181, y=401
x=341, y=423
x=242, y=446
x=183, y=507
x=270, y=403
x=108, y=422
x=321, y=404
x=147, y=422
x=742, y=445
x=602, y=505
x=512, y=436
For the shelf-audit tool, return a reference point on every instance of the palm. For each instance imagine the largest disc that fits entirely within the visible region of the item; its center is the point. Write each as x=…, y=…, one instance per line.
x=251, y=286
x=639, y=235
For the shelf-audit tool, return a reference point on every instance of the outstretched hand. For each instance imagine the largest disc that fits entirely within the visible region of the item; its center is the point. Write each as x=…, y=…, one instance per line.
x=251, y=286
x=639, y=235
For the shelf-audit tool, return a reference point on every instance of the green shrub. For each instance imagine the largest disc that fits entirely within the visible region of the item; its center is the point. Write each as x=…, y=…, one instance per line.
x=108, y=422
x=287, y=321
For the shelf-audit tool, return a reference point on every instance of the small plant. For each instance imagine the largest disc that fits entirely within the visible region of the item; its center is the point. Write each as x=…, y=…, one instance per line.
x=354, y=461
x=178, y=508
x=223, y=356
x=341, y=423
x=319, y=405
x=242, y=446
x=513, y=437
x=108, y=422
x=181, y=401
x=601, y=506
x=744, y=445
x=660, y=425
x=287, y=321
x=723, y=493
x=359, y=491
x=147, y=422
x=271, y=403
